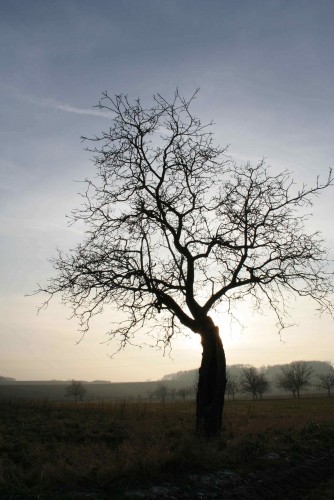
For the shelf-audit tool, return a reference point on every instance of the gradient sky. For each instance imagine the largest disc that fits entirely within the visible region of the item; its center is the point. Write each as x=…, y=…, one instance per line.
x=266, y=73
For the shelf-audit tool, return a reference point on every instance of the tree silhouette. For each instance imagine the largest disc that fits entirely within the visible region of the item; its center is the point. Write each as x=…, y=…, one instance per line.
x=161, y=392
x=175, y=227
x=232, y=385
x=76, y=390
x=326, y=380
x=295, y=377
x=263, y=384
x=184, y=392
x=253, y=382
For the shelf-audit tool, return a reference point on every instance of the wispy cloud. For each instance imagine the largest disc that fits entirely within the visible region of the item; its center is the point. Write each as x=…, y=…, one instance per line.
x=67, y=108
x=80, y=111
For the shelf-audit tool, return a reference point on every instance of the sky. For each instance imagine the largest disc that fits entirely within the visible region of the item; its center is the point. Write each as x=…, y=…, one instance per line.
x=265, y=72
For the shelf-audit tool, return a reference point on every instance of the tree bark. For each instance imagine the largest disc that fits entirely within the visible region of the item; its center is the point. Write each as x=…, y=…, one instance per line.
x=211, y=383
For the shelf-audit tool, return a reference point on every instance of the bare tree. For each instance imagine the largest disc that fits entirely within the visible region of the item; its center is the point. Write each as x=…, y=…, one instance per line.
x=150, y=395
x=172, y=394
x=232, y=385
x=6, y=380
x=184, y=392
x=76, y=390
x=175, y=228
x=295, y=377
x=263, y=384
x=253, y=382
x=161, y=393
x=326, y=380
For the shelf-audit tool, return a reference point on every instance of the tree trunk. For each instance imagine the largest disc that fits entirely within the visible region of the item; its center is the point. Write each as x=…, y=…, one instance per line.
x=211, y=383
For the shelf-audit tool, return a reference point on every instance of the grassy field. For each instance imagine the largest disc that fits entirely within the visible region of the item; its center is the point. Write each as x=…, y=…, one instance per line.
x=52, y=449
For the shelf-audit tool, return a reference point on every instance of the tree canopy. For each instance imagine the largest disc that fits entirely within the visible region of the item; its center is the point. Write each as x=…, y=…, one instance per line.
x=254, y=382
x=326, y=380
x=76, y=389
x=174, y=227
x=295, y=377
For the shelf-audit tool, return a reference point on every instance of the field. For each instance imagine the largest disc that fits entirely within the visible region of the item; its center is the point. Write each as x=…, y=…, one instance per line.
x=100, y=450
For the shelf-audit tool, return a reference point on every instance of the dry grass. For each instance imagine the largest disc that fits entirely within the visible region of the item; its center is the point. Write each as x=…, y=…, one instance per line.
x=56, y=447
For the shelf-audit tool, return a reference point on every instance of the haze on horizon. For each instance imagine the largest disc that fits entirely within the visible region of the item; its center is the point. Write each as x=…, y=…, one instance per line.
x=266, y=72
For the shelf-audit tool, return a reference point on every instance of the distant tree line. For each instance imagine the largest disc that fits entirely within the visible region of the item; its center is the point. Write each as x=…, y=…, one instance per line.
x=242, y=381
x=6, y=380
x=294, y=378
x=163, y=393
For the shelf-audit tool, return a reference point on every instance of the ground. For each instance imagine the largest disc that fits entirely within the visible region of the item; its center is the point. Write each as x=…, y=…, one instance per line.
x=275, y=449
x=310, y=479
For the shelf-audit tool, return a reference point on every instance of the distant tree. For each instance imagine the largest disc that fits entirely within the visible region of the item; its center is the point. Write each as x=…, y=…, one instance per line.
x=150, y=395
x=253, y=382
x=326, y=380
x=5, y=380
x=295, y=377
x=184, y=392
x=172, y=394
x=232, y=385
x=161, y=393
x=263, y=384
x=175, y=228
x=247, y=381
x=76, y=390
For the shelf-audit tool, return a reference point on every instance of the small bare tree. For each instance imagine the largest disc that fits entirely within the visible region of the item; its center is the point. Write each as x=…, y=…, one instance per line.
x=263, y=384
x=175, y=228
x=161, y=393
x=295, y=377
x=326, y=380
x=253, y=382
x=232, y=385
x=76, y=390
x=184, y=392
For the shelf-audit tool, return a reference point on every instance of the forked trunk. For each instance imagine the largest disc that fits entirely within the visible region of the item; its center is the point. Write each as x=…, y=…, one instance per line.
x=211, y=384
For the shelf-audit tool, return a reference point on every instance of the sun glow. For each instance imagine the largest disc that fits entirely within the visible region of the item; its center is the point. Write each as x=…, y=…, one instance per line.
x=230, y=329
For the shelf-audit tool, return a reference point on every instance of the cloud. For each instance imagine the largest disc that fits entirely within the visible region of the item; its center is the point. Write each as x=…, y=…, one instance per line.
x=80, y=111
x=67, y=108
